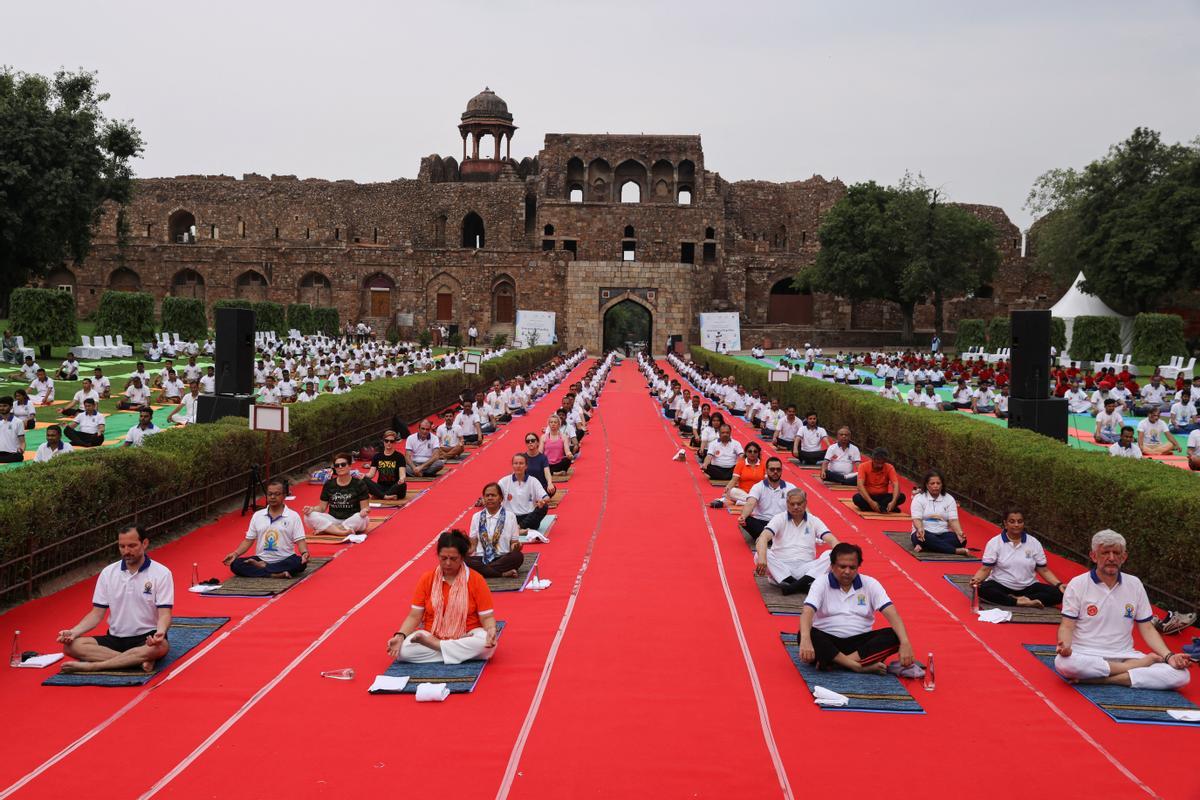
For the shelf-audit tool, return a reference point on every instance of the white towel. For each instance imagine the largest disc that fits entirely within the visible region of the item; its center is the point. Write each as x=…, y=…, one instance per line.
x=828, y=697
x=1181, y=714
x=387, y=684
x=994, y=615
x=201, y=588
x=355, y=538
x=432, y=692
x=537, y=584
x=38, y=662
x=534, y=536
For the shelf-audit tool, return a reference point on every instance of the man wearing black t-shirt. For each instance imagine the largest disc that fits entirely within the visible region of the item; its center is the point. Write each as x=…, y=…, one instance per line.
x=385, y=479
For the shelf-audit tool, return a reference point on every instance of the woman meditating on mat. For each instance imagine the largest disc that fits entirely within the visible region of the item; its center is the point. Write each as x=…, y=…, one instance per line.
x=935, y=518
x=555, y=445
x=345, y=502
x=23, y=409
x=749, y=471
x=1099, y=610
x=495, y=537
x=786, y=550
x=707, y=434
x=452, y=617
x=722, y=455
x=536, y=463
x=839, y=614
x=523, y=495
x=276, y=532
x=1014, y=559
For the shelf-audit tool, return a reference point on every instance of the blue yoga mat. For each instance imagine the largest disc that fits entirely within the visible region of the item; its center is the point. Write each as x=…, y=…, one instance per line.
x=184, y=635
x=878, y=693
x=459, y=678
x=1124, y=703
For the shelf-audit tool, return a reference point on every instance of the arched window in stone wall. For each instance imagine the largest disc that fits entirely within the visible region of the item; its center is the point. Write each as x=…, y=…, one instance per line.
x=315, y=289
x=504, y=301
x=181, y=227
x=631, y=179
x=188, y=283
x=251, y=285
x=788, y=305
x=662, y=181
x=779, y=238
x=124, y=279
x=472, y=231
x=61, y=278
x=576, y=178
x=685, y=196
x=599, y=181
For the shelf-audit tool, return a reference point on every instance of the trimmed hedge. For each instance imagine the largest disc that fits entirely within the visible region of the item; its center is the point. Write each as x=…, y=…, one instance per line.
x=1092, y=337
x=234, y=303
x=1058, y=333
x=1157, y=337
x=325, y=320
x=999, y=332
x=971, y=333
x=300, y=317
x=71, y=493
x=185, y=316
x=1066, y=493
x=130, y=314
x=270, y=316
x=43, y=316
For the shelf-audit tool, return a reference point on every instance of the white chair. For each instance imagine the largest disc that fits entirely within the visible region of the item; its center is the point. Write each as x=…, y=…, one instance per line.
x=1177, y=368
x=22, y=349
x=122, y=350
x=110, y=345
x=85, y=350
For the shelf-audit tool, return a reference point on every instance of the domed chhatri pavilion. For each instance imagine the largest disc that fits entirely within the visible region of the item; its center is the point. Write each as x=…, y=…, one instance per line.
x=589, y=222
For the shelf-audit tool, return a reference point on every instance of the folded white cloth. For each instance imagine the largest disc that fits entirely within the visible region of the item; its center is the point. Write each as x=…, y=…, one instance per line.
x=38, y=662
x=828, y=697
x=355, y=538
x=537, y=584
x=201, y=588
x=432, y=692
x=680, y=455
x=995, y=615
x=1181, y=714
x=388, y=684
x=534, y=536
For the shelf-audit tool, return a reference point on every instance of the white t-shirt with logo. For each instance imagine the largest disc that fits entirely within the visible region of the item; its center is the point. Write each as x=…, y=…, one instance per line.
x=1153, y=432
x=275, y=537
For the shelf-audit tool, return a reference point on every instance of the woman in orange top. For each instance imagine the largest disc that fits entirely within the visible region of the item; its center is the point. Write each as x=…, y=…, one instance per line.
x=452, y=619
x=749, y=471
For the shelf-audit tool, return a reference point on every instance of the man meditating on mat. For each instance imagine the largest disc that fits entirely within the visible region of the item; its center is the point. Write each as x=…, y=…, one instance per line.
x=345, y=502
x=87, y=429
x=422, y=456
x=811, y=441
x=449, y=440
x=936, y=528
x=721, y=455
x=523, y=495
x=878, y=485
x=138, y=595
x=1099, y=610
x=1013, y=560
x=839, y=612
x=452, y=617
x=788, y=430
x=1154, y=436
x=786, y=550
x=495, y=537
x=277, y=533
x=385, y=478
x=841, y=460
x=767, y=499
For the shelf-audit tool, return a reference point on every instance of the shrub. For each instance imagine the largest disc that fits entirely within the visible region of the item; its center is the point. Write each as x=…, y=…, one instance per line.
x=992, y=467
x=1157, y=337
x=234, y=303
x=300, y=317
x=1058, y=333
x=971, y=333
x=455, y=340
x=424, y=338
x=999, y=332
x=1092, y=337
x=325, y=320
x=184, y=316
x=499, y=340
x=270, y=316
x=130, y=314
x=43, y=317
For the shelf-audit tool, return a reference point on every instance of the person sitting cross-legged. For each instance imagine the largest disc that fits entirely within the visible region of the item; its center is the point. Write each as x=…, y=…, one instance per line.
x=523, y=495
x=422, y=456
x=136, y=395
x=811, y=442
x=1099, y=611
x=53, y=447
x=449, y=440
x=878, y=485
x=344, y=505
x=841, y=460
x=136, y=436
x=1154, y=436
x=452, y=618
x=87, y=429
x=277, y=532
x=935, y=518
x=748, y=471
x=495, y=537
x=76, y=405
x=837, y=625
x=385, y=478
x=766, y=499
x=1011, y=562
x=138, y=595
x=722, y=455
x=786, y=550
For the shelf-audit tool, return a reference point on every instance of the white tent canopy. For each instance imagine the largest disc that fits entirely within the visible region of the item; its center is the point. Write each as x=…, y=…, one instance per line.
x=1078, y=303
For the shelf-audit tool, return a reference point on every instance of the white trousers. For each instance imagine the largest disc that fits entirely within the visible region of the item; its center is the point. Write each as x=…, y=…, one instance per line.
x=319, y=522
x=454, y=651
x=1084, y=666
x=781, y=570
x=737, y=495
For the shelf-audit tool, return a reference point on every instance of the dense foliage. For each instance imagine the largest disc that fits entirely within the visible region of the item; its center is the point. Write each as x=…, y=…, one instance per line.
x=130, y=314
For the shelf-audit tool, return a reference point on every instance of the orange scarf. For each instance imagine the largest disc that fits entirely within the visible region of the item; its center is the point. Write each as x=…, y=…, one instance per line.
x=450, y=619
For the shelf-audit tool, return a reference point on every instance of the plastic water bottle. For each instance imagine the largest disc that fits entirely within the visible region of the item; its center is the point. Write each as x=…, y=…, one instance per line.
x=14, y=660
x=195, y=573
x=929, y=683
x=975, y=598
x=346, y=674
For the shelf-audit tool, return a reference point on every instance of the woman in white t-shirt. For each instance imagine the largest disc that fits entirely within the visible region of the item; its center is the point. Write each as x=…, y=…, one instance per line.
x=936, y=528
x=1011, y=563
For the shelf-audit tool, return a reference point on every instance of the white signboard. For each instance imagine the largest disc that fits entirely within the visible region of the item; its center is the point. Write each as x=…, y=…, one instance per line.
x=471, y=368
x=779, y=376
x=269, y=418
x=534, y=328
x=721, y=331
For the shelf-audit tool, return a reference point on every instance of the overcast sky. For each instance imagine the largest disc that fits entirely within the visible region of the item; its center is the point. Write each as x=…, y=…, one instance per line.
x=980, y=98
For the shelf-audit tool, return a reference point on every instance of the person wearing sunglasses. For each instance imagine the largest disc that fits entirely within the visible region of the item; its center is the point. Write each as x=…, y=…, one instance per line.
x=749, y=470
x=385, y=478
x=344, y=504
x=537, y=464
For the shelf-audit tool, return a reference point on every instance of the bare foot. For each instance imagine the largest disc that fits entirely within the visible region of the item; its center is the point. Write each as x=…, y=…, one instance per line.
x=878, y=668
x=420, y=637
x=76, y=666
x=1029, y=602
x=916, y=548
x=148, y=666
x=512, y=573
x=282, y=575
x=962, y=551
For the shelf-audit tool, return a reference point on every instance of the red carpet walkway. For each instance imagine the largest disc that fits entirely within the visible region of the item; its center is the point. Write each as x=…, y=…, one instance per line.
x=649, y=668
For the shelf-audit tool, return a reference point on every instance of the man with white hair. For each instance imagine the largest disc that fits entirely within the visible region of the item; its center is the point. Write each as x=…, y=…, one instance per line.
x=786, y=550
x=1099, y=610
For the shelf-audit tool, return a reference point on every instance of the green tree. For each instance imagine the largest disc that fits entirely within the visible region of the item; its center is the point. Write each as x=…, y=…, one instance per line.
x=43, y=317
x=60, y=161
x=130, y=314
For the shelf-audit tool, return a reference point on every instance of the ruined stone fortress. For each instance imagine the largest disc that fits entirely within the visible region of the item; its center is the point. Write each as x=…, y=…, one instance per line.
x=589, y=222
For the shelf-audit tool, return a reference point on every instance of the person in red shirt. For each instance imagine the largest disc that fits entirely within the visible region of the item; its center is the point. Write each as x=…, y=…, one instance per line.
x=1073, y=370
x=878, y=485
x=1106, y=379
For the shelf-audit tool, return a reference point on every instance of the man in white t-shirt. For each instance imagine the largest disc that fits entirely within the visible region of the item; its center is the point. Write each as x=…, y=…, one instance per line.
x=1183, y=413
x=448, y=437
x=1108, y=423
x=87, y=429
x=53, y=447
x=41, y=389
x=76, y=404
x=136, y=395
x=1154, y=437
x=138, y=595
x=787, y=429
x=766, y=499
x=837, y=625
x=810, y=444
x=1153, y=395
x=422, y=456
x=136, y=435
x=523, y=495
x=889, y=391
x=841, y=460
x=12, y=434
x=277, y=532
x=1099, y=611
x=189, y=405
x=721, y=456
x=786, y=550
x=1125, y=447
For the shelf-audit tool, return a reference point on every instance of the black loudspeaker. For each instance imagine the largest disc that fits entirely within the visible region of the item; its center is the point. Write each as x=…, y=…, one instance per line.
x=453, y=329
x=1031, y=354
x=1047, y=416
x=234, y=354
x=213, y=407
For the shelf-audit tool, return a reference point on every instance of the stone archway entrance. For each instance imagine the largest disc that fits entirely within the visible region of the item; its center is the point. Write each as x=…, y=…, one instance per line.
x=627, y=321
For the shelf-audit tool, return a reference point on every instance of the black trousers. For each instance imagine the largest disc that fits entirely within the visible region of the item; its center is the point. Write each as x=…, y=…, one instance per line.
x=719, y=473
x=882, y=499
x=292, y=565
x=500, y=565
x=871, y=646
x=755, y=525
x=11, y=458
x=844, y=478
x=75, y=437
x=811, y=456
x=385, y=488
x=1001, y=595
x=532, y=520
